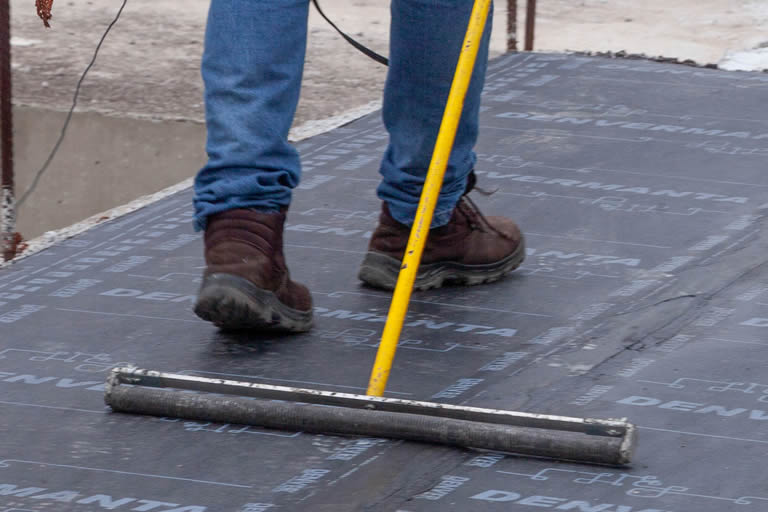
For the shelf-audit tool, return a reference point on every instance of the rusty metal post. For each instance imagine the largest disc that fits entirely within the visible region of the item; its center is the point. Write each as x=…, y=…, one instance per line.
x=7, y=203
x=511, y=25
x=530, y=22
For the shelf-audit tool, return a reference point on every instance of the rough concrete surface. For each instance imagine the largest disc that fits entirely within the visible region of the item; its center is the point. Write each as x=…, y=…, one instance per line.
x=104, y=161
x=149, y=68
x=149, y=65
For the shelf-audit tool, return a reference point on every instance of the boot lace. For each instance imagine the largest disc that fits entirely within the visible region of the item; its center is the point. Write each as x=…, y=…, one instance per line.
x=470, y=211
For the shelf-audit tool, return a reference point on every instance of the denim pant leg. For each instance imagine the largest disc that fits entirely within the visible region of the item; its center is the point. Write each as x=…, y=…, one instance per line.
x=425, y=41
x=252, y=67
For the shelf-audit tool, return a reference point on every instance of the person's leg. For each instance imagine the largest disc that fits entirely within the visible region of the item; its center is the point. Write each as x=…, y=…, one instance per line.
x=425, y=42
x=463, y=247
x=252, y=67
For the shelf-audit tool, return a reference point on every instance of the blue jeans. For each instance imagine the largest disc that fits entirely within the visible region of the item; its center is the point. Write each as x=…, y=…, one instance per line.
x=252, y=67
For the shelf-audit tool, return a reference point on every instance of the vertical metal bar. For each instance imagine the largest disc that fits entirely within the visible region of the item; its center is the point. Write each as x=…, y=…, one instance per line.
x=530, y=22
x=511, y=25
x=7, y=203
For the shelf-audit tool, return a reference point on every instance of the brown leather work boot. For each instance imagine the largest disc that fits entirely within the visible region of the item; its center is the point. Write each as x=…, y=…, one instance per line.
x=246, y=284
x=470, y=249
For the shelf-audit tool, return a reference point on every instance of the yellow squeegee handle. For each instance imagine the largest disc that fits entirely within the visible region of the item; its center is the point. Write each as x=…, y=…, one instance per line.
x=428, y=201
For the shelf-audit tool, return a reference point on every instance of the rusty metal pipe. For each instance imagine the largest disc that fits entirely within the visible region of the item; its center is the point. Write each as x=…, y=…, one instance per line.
x=7, y=203
x=511, y=25
x=530, y=23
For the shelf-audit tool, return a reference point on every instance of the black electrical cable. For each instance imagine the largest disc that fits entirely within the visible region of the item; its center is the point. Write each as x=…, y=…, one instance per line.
x=366, y=51
x=64, y=128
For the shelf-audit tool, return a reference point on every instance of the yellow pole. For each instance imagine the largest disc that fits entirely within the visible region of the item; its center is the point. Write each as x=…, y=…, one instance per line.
x=428, y=201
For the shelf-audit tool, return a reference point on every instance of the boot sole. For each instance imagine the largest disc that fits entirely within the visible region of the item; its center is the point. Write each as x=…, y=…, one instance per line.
x=381, y=271
x=231, y=302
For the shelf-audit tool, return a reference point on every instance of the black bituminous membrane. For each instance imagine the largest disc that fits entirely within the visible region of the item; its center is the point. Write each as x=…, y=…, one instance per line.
x=641, y=189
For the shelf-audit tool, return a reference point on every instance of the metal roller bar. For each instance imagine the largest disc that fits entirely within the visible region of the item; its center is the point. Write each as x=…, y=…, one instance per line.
x=165, y=394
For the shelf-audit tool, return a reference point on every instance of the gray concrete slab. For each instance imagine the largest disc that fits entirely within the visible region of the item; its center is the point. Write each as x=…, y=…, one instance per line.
x=103, y=162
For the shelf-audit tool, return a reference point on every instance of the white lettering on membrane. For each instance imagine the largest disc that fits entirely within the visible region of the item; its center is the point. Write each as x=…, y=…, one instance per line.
x=485, y=461
x=635, y=366
x=256, y=507
x=176, y=243
x=554, y=503
x=592, y=311
x=694, y=407
x=584, y=258
x=742, y=223
x=648, y=127
x=596, y=185
x=503, y=362
x=344, y=314
x=59, y=382
x=673, y=263
x=709, y=242
x=128, y=264
x=297, y=483
x=753, y=293
x=103, y=501
x=457, y=389
x=154, y=296
x=73, y=289
x=634, y=287
x=552, y=335
x=447, y=485
x=359, y=447
x=593, y=394
x=713, y=317
x=20, y=313
x=675, y=343
x=752, y=322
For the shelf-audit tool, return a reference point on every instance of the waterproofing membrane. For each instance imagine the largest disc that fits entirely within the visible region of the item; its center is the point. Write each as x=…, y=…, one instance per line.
x=641, y=188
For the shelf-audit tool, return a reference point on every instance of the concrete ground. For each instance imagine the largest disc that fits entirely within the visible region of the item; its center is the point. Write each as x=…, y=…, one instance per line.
x=138, y=127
